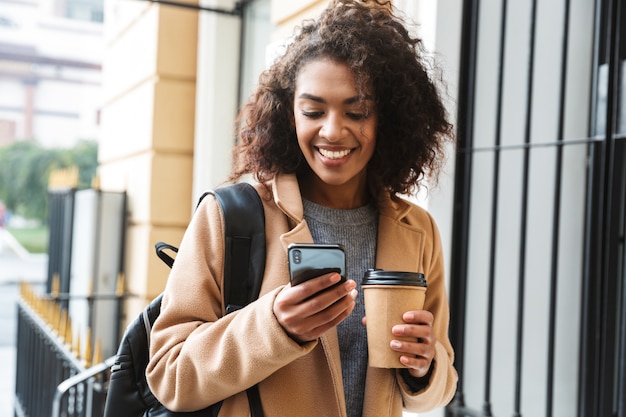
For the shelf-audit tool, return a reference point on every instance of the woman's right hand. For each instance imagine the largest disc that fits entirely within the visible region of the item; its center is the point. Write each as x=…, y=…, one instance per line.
x=308, y=310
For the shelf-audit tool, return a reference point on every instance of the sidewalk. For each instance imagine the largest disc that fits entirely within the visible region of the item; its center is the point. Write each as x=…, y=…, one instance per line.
x=16, y=265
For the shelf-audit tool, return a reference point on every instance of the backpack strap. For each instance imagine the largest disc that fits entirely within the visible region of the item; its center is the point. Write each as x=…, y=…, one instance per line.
x=160, y=248
x=244, y=227
x=244, y=231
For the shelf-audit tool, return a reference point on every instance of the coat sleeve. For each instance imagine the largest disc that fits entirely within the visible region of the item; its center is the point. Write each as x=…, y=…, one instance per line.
x=198, y=356
x=442, y=385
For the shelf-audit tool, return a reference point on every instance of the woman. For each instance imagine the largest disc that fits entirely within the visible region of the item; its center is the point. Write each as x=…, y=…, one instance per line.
x=340, y=125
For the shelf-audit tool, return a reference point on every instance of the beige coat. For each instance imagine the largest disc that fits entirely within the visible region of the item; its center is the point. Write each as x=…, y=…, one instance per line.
x=199, y=357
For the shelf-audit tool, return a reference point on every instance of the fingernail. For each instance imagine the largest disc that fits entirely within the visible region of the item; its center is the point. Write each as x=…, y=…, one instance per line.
x=395, y=344
x=353, y=294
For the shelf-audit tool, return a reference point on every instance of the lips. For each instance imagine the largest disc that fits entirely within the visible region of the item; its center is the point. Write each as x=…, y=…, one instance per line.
x=330, y=154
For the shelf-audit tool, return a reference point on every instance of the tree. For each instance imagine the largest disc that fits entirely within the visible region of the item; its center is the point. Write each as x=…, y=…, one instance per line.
x=25, y=168
x=85, y=156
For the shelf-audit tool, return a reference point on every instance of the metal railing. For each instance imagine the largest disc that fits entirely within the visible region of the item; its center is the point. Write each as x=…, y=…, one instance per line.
x=54, y=375
x=87, y=381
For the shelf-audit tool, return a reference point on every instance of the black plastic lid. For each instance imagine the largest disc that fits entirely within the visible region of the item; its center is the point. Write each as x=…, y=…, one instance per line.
x=383, y=277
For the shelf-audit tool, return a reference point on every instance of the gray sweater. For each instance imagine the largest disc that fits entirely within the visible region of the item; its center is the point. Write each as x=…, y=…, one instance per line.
x=356, y=229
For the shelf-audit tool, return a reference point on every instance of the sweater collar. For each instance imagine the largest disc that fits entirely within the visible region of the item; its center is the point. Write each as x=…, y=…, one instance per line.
x=288, y=198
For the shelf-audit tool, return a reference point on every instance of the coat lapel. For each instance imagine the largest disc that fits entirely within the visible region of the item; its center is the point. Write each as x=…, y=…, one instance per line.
x=285, y=192
x=400, y=245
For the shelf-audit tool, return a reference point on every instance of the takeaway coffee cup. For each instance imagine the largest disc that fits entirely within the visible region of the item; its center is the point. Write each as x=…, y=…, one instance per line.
x=388, y=295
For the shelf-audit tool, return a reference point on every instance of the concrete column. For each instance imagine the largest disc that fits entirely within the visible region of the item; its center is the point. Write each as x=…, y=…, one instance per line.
x=149, y=76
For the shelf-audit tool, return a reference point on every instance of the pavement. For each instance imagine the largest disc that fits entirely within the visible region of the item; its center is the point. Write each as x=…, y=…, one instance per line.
x=16, y=265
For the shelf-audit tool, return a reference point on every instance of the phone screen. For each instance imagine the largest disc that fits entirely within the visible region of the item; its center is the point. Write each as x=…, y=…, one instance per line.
x=310, y=260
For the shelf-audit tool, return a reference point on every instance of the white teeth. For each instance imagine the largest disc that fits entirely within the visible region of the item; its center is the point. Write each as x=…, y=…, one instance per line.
x=334, y=154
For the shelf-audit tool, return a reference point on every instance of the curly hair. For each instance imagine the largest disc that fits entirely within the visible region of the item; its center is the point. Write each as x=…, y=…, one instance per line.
x=374, y=42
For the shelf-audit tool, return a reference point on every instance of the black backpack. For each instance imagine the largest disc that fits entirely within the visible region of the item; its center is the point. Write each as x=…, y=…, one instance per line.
x=128, y=393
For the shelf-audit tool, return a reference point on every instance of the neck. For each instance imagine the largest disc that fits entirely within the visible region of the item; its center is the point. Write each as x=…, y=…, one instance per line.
x=344, y=196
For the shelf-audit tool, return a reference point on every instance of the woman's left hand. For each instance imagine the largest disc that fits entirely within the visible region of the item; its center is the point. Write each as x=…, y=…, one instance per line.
x=418, y=324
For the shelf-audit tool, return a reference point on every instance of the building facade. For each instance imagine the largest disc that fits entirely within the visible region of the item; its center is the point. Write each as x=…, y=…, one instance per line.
x=50, y=71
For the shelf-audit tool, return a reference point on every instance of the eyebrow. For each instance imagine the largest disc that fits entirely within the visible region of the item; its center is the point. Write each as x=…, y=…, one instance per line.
x=350, y=100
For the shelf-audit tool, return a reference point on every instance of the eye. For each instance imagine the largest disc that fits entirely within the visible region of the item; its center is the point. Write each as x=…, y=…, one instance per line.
x=356, y=116
x=312, y=114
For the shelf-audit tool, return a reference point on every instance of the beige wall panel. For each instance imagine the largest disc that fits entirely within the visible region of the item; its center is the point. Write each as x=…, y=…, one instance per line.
x=112, y=178
x=139, y=250
x=130, y=58
x=157, y=115
x=127, y=124
x=137, y=257
x=158, y=187
x=178, y=42
x=174, y=115
x=146, y=274
x=134, y=175
x=171, y=190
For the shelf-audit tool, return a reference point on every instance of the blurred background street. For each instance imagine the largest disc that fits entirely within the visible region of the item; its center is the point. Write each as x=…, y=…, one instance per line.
x=16, y=265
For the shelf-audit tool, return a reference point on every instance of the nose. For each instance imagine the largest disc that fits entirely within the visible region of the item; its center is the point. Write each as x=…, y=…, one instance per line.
x=332, y=127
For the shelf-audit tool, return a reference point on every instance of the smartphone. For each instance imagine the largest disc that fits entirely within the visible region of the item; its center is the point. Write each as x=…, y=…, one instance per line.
x=310, y=260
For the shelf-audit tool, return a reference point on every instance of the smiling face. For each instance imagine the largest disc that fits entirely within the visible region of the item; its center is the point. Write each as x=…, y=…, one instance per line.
x=336, y=132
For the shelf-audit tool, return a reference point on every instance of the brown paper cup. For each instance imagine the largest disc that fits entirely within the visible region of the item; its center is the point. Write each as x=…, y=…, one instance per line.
x=384, y=307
